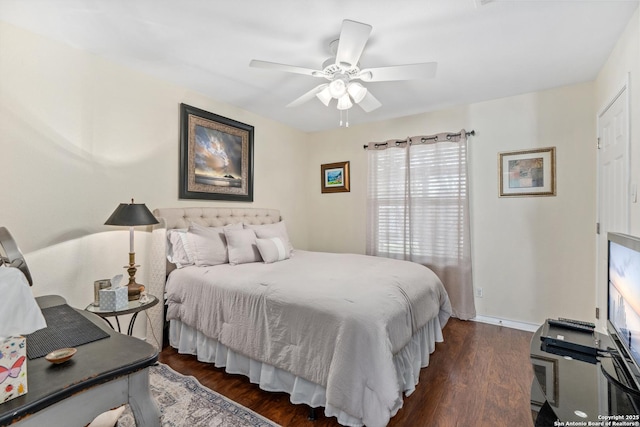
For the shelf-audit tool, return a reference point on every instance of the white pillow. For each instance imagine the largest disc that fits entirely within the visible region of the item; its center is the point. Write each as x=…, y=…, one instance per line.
x=179, y=250
x=272, y=249
x=209, y=244
x=242, y=246
x=266, y=231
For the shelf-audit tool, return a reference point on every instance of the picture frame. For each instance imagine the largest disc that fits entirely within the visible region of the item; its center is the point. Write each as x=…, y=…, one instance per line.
x=335, y=177
x=216, y=157
x=527, y=172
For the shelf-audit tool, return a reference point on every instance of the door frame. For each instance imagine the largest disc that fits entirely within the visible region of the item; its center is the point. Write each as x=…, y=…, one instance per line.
x=601, y=288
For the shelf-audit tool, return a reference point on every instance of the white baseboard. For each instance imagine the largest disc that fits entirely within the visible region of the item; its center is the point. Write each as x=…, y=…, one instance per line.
x=523, y=326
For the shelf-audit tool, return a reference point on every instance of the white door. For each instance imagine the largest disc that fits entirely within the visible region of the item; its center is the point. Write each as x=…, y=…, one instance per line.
x=613, y=185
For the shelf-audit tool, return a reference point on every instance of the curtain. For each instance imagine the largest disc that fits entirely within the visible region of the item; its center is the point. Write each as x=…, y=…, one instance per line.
x=418, y=209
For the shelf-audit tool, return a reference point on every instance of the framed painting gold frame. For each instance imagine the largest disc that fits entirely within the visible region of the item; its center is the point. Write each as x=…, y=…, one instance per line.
x=527, y=172
x=216, y=157
x=335, y=177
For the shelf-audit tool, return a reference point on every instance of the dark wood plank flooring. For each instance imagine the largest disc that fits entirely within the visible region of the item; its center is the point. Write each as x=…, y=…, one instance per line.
x=479, y=376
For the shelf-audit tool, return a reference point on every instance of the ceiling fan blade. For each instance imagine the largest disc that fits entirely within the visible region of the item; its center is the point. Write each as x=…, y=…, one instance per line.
x=353, y=37
x=284, y=67
x=308, y=96
x=399, y=72
x=369, y=102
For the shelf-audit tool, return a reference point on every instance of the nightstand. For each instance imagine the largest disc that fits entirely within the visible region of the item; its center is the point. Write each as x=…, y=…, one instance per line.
x=134, y=307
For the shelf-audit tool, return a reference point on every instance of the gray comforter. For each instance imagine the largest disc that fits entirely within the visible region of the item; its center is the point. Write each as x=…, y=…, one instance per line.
x=334, y=319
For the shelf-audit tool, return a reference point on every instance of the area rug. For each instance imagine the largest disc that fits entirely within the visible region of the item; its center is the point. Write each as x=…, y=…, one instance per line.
x=183, y=401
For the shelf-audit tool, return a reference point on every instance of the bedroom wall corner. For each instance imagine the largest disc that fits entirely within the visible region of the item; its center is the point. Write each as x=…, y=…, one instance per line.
x=80, y=134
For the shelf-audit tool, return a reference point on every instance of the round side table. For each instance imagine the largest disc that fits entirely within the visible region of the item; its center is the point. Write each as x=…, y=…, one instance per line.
x=134, y=307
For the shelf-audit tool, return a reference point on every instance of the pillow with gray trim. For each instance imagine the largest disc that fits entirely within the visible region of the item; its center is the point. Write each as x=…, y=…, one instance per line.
x=266, y=231
x=272, y=249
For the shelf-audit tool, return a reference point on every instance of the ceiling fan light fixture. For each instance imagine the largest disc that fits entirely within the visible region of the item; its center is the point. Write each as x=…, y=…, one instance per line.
x=365, y=76
x=343, y=67
x=357, y=91
x=337, y=88
x=325, y=96
x=344, y=102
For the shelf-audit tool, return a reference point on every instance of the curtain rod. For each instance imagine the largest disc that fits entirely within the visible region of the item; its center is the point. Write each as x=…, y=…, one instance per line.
x=423, y=140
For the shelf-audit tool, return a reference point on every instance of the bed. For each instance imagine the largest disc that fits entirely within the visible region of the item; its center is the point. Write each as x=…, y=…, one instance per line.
x=345, y=332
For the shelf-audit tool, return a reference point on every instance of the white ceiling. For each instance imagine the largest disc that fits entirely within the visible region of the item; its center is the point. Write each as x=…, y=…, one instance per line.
x=485, y=49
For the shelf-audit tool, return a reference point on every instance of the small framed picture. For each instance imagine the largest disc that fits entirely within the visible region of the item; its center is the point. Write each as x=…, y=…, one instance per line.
x=335, y=177
x=527, y=172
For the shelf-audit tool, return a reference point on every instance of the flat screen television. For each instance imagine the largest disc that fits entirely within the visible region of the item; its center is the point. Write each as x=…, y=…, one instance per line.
x=623, y=314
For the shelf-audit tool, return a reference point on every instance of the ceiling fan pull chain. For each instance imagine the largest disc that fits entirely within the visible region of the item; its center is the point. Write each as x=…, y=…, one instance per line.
x=347, y=125
x=340, y=118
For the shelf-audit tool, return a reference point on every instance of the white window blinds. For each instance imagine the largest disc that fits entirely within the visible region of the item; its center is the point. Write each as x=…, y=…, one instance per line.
x=428, y=193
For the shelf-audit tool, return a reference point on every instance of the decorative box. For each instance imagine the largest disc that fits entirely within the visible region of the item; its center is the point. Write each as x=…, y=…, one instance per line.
x=13, y=367
x=114, y=299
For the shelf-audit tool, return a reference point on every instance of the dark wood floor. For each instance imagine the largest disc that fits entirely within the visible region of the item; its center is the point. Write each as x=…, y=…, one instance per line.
x=479, y=376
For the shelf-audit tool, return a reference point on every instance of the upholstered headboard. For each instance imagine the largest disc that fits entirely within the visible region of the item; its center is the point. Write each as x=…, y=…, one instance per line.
x=171, y=218
x=215, y=217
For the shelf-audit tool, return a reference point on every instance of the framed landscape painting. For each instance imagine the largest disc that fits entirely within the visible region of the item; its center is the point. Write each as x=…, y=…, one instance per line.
x=335, y=177
x=528, y=173
x=216, y=157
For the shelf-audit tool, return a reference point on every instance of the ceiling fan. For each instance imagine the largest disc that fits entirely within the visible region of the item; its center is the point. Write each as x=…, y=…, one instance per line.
x=343, y=70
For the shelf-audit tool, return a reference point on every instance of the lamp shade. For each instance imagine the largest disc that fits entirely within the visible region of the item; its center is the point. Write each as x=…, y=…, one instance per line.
x=357, y=91
x=344, y=103
x=337, y=88
x=325, y=96
x=131, y=214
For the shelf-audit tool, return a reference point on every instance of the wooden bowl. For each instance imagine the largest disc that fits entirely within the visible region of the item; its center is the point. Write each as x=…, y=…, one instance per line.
x=60, y=355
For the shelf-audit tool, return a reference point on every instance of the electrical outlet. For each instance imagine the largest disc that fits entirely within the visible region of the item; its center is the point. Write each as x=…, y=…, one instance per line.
x=479, y=293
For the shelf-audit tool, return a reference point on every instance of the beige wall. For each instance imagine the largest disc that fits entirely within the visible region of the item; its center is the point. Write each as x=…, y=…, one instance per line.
x=533, y=257
x=78, y=135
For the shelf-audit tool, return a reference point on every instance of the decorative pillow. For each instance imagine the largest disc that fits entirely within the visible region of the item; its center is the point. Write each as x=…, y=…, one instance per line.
x=179, y=250
x=209, y=244
x=242, y=246
x=272, y=249
x=266, y=231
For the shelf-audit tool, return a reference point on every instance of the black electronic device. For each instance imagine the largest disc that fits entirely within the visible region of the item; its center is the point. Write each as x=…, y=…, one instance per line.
x=623, y=315
x=567, y=324
x=578, y=322
x=570, y=339
x=565, y=352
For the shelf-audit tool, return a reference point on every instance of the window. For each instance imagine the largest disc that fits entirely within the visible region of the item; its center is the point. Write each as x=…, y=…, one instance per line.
x=418, y=210
x=417, y=199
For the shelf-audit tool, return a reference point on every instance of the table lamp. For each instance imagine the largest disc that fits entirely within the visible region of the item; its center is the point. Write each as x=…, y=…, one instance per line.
x=131, y=215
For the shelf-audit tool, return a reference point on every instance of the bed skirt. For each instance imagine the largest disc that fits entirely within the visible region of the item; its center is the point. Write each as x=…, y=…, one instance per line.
x=408, y=362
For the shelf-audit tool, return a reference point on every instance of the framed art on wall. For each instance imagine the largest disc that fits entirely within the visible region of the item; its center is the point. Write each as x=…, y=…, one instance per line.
x=216, y=157
x=335, y=177
x=527, y=172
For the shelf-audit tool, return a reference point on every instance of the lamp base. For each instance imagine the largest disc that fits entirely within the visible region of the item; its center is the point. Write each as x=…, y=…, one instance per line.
x=134, y=288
